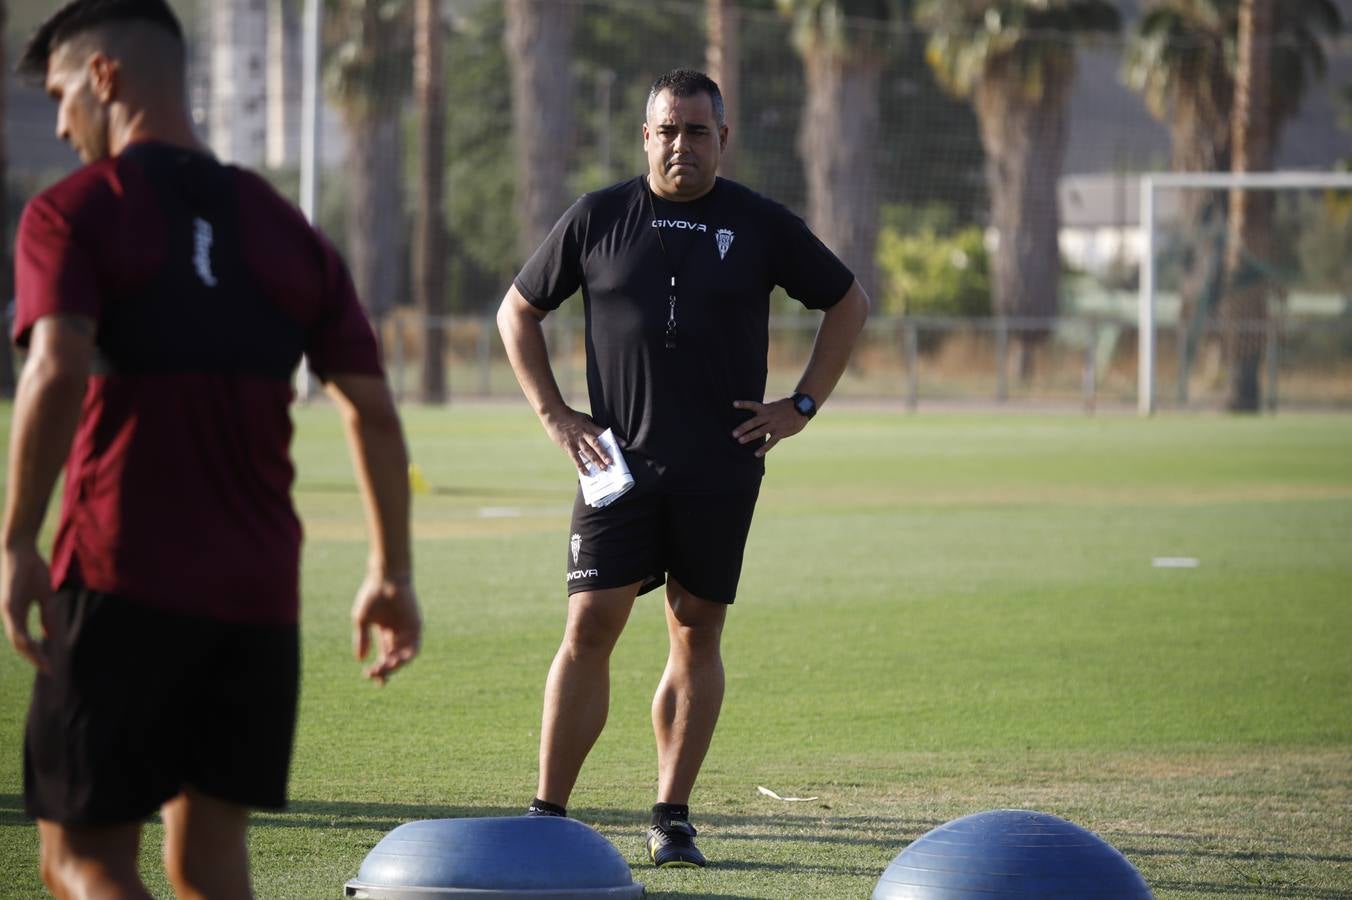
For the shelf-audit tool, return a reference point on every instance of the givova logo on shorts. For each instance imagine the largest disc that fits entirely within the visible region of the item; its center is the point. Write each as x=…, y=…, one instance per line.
x=575, y=545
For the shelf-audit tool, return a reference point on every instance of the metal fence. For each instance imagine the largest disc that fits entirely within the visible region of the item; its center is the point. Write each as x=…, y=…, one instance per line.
x=917, y=363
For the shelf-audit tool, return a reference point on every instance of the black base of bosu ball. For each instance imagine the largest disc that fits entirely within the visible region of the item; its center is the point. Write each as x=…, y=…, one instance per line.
x=495, y=859
x=1010, y=853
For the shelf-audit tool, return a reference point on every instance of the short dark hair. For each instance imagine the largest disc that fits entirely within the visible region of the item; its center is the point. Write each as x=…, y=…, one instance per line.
x=687, y=83
x=79, y=16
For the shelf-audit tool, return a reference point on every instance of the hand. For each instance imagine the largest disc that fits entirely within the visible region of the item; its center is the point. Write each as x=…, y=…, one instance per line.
x=25, y=581
x=770, y=423
x=579, y=437
x=390, y=607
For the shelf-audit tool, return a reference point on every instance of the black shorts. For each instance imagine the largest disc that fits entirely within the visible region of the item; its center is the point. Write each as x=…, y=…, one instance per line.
x=141, y=703
x=697, y=539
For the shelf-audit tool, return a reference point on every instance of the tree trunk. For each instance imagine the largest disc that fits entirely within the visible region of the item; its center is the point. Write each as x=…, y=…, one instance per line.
x=283, y=84
x=539, y=41
x=1245, y=305
x=837, y=140
x=1200, y=142
x=1024, y=139
x=429, y=242
x=722, y=62
x=375, y=210
x=6, y=267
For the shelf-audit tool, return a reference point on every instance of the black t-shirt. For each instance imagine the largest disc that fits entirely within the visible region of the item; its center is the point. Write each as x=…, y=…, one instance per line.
x=671, y=406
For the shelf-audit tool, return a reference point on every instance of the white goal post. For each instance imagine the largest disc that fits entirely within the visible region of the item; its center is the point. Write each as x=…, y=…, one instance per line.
x=1150, y=182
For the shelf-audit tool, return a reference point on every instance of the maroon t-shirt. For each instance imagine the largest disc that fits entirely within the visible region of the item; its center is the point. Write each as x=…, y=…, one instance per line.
x=206, y=287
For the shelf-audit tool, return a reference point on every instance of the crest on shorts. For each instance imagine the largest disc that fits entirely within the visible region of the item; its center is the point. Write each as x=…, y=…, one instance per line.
x=575, y=544
x=724, y=238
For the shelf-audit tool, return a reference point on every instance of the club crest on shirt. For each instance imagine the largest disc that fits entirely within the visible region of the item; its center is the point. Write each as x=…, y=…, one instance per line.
x=724, y=238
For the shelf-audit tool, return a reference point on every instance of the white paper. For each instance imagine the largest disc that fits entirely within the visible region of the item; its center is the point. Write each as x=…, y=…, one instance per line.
x=773, y=796
x=602, y=487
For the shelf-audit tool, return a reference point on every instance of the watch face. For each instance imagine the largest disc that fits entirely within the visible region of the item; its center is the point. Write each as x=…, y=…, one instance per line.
x=803, y=403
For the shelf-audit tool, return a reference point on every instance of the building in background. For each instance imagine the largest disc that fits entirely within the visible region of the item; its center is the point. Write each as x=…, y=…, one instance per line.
x=283, y=84
x=245, y=75
x=237, y=107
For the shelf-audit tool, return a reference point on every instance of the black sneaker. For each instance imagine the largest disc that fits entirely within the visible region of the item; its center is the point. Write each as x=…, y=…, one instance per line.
x=671, y=845
x=540, y=808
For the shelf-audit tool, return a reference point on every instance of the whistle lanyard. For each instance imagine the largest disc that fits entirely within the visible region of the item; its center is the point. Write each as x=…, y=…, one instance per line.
x=673, y=270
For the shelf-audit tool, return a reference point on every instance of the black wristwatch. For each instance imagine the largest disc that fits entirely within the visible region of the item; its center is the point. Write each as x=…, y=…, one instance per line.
x=806, y=406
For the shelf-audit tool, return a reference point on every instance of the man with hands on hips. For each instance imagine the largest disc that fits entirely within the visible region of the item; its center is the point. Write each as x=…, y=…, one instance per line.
x=676, y=269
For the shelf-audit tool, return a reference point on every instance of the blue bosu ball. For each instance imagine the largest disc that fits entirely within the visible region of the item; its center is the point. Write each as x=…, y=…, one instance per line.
x=1009, y=853
x=497, y=858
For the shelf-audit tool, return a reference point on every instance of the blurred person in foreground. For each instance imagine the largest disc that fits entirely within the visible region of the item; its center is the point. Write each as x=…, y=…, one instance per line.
x=165, y=300
x=676, y=269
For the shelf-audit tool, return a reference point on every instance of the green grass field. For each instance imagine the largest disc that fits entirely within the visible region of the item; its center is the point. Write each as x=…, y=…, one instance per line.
x=940, y=614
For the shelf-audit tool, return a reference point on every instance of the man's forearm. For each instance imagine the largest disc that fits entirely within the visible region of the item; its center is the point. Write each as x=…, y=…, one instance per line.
x=834, y=343
x=46, y=415
x=384, y=461
x=524, y=339
x=380, y=458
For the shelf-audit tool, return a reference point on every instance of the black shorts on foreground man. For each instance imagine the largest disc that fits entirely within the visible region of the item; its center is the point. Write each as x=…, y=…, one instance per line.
x=113, y=735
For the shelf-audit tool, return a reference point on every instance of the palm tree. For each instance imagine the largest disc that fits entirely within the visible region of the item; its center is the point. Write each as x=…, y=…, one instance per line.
x=843, y=48
x=1244, y=308
x=539, y=40
x=1181, y=58
x=429, y=233
x=1015, y=59
x=722, y=61
x=1277, y=42
x=368, y=78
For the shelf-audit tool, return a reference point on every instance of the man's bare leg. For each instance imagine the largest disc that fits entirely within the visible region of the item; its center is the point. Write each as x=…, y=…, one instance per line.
x=206, y=850
x=78, y=861
x=690, y=695
x=577, y=692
